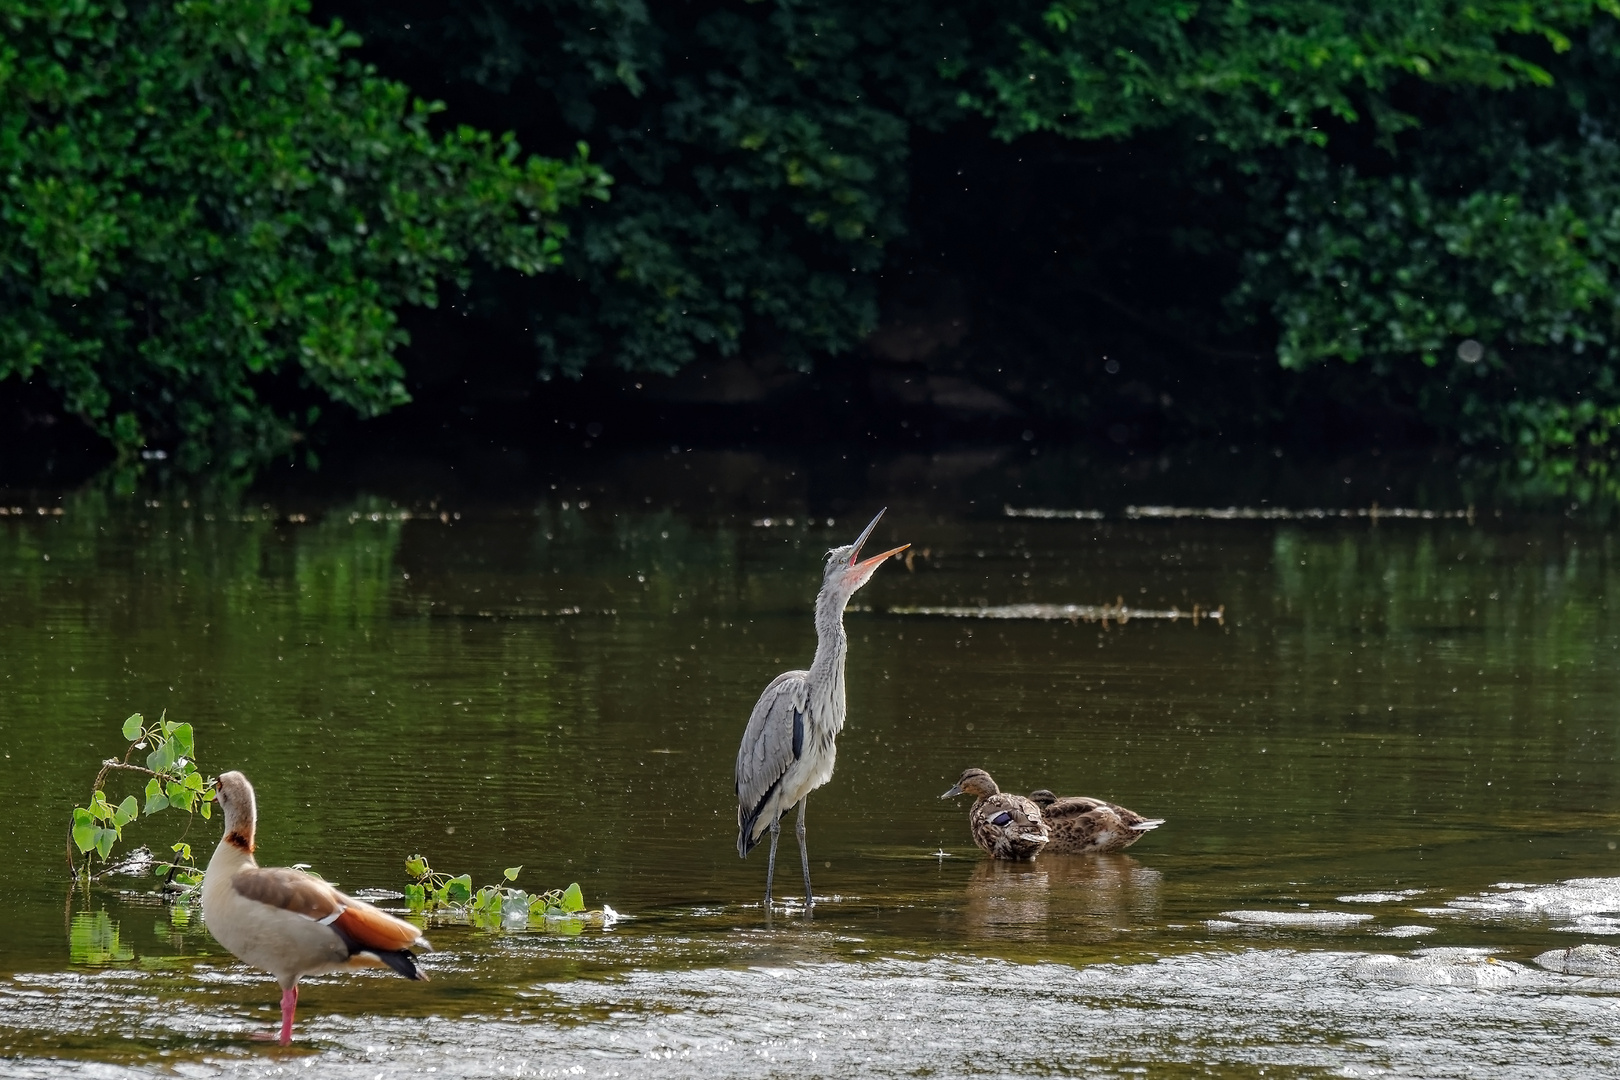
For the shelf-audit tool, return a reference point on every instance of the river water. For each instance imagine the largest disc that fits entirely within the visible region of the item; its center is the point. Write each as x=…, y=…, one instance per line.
x=1388, y=768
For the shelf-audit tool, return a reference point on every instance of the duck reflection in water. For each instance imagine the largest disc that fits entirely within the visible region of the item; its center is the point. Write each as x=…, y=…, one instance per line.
x=1096, y=898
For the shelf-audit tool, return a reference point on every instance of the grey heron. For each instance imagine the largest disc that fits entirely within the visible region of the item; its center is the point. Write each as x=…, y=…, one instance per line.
x=788, y=747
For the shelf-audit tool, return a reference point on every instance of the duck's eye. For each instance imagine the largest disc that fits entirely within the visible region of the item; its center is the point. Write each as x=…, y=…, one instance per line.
x=1001, y=818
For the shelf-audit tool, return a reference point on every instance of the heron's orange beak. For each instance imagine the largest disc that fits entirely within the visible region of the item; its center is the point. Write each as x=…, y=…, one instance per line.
x=864, y=564
x=875, y=559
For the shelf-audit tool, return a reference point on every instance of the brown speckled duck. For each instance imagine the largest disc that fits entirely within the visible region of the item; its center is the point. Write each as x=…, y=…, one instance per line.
x=1007, y=826
x=1082, y=826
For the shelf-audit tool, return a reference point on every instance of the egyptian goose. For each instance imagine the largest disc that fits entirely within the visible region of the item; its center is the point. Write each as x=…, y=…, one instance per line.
x=287, y=922
x=1083, y=826
x=1007, y=826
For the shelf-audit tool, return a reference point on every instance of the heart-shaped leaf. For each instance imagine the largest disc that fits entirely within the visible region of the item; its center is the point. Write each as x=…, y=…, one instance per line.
x=459, y=889
x=127, y=812
x=84, y=829
x=155, y=799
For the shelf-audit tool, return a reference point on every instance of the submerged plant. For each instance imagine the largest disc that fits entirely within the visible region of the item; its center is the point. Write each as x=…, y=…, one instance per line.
x=499, y=905
x=173, y=781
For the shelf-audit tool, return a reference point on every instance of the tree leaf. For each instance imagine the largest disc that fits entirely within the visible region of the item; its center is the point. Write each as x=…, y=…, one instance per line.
x=127, y=811
x=84, y=829
x=104, y=842
x=573, y=899
x=416, y=866
x=415, y=896
x=459, y=889
x=132, y=727
x=511, y=872
x=182, y=736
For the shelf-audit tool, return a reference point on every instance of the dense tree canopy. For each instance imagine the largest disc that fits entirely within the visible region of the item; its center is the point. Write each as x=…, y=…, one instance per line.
x=200, y=198
x=1373, y=182
x=1417, y=196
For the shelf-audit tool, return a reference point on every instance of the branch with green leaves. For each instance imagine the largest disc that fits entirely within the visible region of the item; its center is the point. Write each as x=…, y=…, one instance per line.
x=503, y=905
x=173, y=780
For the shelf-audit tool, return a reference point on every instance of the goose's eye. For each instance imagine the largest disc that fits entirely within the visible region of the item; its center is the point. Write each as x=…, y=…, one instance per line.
x=1001, y=818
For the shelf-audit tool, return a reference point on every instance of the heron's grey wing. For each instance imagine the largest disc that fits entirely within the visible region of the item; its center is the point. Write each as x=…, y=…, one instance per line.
x=771, y=743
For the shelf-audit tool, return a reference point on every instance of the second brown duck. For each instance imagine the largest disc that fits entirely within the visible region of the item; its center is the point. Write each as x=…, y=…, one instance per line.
x=1078, y=825
x=1007, y=826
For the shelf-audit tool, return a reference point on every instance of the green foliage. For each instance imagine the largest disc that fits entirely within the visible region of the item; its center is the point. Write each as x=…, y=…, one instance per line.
x=1251, y=75
x=213, y=214
x=210, y=215
x=172, y=781
x=496, y=906
x=763, y=156
x=1477, y=273
x=759, y=153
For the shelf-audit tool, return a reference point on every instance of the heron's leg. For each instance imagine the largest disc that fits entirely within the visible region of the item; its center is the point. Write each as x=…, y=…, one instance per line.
x=804, y=854
x=770, y=864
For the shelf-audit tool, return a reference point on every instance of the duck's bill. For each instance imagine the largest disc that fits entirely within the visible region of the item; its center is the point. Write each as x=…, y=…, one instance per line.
x=957, y=790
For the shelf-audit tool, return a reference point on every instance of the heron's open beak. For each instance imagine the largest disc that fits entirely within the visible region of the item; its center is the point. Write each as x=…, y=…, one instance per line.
x=957, y=790
x=866, y=564
x=861, y=539
x=874, y=560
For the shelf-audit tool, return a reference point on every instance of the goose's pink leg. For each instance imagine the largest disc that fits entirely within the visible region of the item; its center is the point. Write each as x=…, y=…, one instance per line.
x=289, y=1002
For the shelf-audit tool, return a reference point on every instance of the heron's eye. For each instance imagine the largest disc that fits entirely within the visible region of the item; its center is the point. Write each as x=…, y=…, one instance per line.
x=1001, y=818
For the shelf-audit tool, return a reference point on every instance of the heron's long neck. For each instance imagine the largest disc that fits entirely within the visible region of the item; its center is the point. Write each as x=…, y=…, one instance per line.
x=832, y=644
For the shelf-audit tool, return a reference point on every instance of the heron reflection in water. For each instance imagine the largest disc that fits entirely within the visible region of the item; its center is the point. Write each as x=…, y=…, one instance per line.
x=788, y=747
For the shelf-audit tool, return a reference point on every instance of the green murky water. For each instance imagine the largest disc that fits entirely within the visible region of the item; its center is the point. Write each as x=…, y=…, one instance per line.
x=1395, y=718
